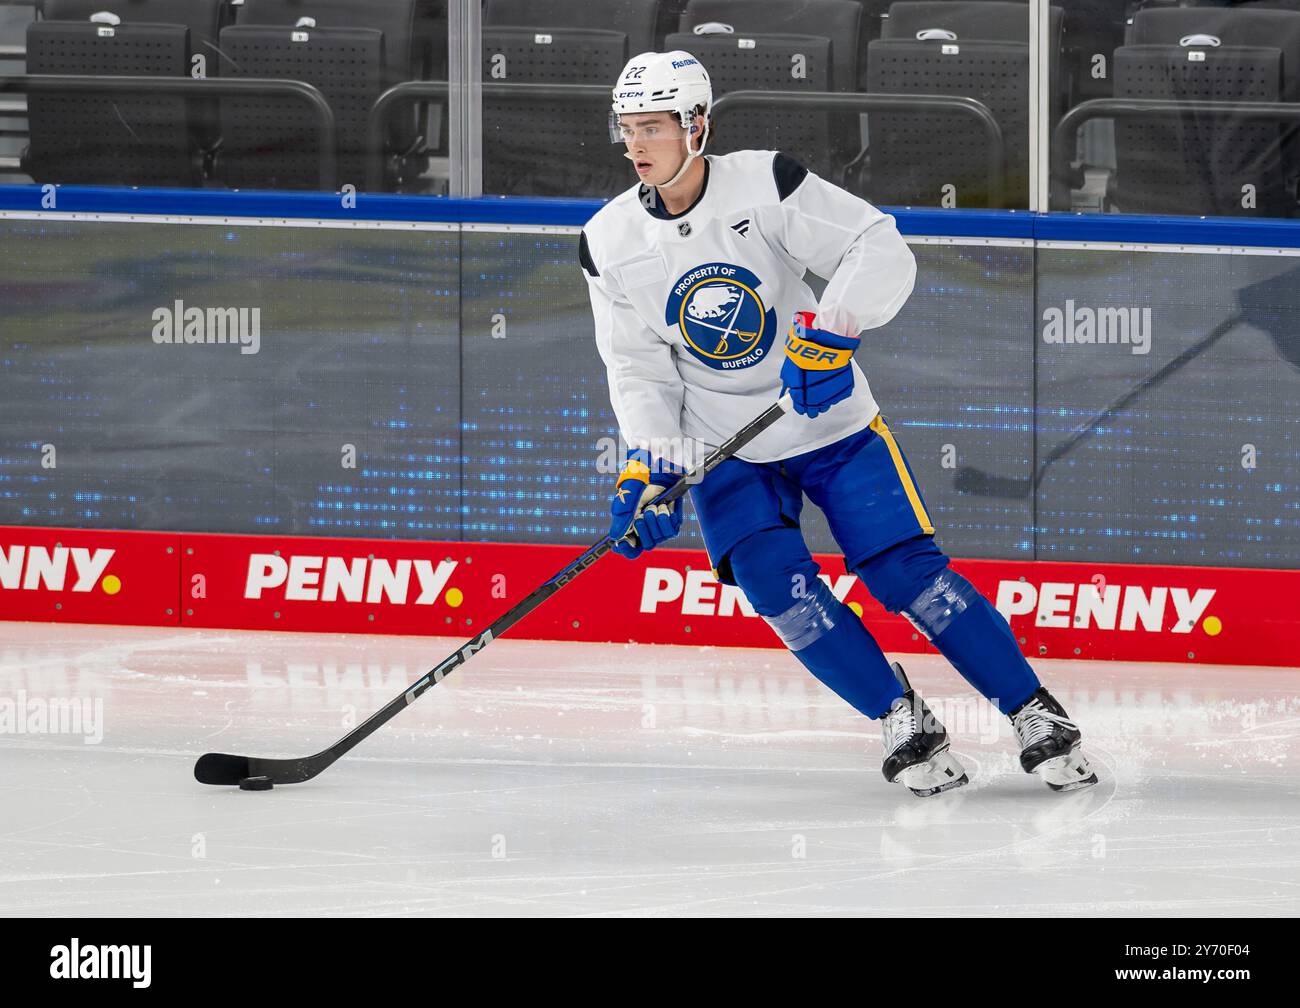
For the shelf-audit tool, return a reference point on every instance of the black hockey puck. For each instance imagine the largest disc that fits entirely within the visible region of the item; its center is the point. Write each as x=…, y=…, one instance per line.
x=256, y=784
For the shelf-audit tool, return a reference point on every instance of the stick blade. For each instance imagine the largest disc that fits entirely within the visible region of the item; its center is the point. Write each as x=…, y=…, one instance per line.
x=222, y=768
x=970, y=480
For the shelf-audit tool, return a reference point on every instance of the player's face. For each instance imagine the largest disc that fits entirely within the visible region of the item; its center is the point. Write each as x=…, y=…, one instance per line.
x=656, y=145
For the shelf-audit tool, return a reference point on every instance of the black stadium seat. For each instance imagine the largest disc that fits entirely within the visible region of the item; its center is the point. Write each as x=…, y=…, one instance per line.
x=772, y=46
x=1088, y=28
x=640, y=21
x=975, y=19
x=1201, y=163
x=839, y=20
x=271, y=142
x=203, y=18
x=551, y=146
x=119, y=140
x=990, y=20
x=975, y=50
x=414, y=48
x=1093, y=28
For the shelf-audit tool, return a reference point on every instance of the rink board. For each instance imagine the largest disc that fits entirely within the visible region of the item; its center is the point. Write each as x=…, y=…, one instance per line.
x=425, y=377
x=1058, y=610
x=435, y=377
x=85, y=576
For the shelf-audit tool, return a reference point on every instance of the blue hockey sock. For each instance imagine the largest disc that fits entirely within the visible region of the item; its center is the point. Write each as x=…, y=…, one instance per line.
x=831, y=642
x=780, y=580
x=974, y=637
x=913, y=577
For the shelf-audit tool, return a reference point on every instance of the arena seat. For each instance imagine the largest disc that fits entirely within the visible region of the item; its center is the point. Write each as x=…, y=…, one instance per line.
x=1092, y=28
x=768, y=45
x=203, y=18
x=988, y=20
x=837, y=20
x=1087, y=28
x=414, y=45
x=270, y=142
x=1199, y=163
x=641, y=22
x=999, y=20
x=89, y=139
x=1289, y=5
x=415, y=38
x=552, y=147
x=976, y=50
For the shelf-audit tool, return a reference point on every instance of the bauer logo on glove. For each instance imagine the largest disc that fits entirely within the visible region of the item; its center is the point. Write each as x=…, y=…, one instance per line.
x=818, y=369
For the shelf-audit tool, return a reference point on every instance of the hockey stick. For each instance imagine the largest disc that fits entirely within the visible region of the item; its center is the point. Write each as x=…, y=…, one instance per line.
x=223, y=768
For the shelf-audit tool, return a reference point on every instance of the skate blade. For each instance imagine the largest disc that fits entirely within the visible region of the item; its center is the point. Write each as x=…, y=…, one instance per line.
x=1067, y=773
x=941, y=773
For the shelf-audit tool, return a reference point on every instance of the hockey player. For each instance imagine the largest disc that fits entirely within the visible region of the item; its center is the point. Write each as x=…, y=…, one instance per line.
x=689, y=272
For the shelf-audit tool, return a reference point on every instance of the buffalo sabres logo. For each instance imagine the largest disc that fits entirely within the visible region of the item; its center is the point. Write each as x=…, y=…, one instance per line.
x=719, y=310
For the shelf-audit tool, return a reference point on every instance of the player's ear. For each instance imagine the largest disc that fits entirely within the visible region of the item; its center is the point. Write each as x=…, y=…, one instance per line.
x=702, y=131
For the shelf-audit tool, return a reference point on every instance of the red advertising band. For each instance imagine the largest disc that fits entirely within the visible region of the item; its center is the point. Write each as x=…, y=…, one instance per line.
x=669, y=596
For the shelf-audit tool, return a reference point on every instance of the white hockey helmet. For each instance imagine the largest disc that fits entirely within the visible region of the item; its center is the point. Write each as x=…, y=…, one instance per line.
x=663, y=82
x=673, y=82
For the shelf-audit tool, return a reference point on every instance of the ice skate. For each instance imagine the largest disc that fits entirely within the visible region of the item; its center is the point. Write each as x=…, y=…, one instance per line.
x=1049, y=743
x=916, y=746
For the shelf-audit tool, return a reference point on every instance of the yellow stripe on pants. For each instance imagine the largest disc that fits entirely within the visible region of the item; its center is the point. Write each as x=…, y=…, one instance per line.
x=880, y=427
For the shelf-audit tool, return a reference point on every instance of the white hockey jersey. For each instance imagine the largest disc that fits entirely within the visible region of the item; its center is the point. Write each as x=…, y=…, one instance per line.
x=692, y=309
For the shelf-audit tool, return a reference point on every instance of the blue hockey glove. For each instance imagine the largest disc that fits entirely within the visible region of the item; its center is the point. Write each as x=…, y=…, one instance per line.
x=817, y=370
x=643, y=479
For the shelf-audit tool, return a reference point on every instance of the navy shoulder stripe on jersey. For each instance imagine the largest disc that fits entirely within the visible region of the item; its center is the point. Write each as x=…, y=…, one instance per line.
x=788, y=174
x=584, y=256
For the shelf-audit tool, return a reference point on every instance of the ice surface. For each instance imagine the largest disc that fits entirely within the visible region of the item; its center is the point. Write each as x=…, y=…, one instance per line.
x=589, y=779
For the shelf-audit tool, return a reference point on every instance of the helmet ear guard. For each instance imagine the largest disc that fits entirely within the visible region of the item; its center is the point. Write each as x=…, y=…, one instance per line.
x=695, y=128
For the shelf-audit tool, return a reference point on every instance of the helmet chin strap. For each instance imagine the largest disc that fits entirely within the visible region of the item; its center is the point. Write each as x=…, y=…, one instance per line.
x=691, y=155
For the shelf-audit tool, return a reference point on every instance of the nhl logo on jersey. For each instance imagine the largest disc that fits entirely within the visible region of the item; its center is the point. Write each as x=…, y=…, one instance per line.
x=719, y=310
x=684, y=229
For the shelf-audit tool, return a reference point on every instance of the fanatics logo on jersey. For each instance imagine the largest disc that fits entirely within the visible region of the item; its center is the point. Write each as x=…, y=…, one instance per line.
x=742, y=228
x=719, y=310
